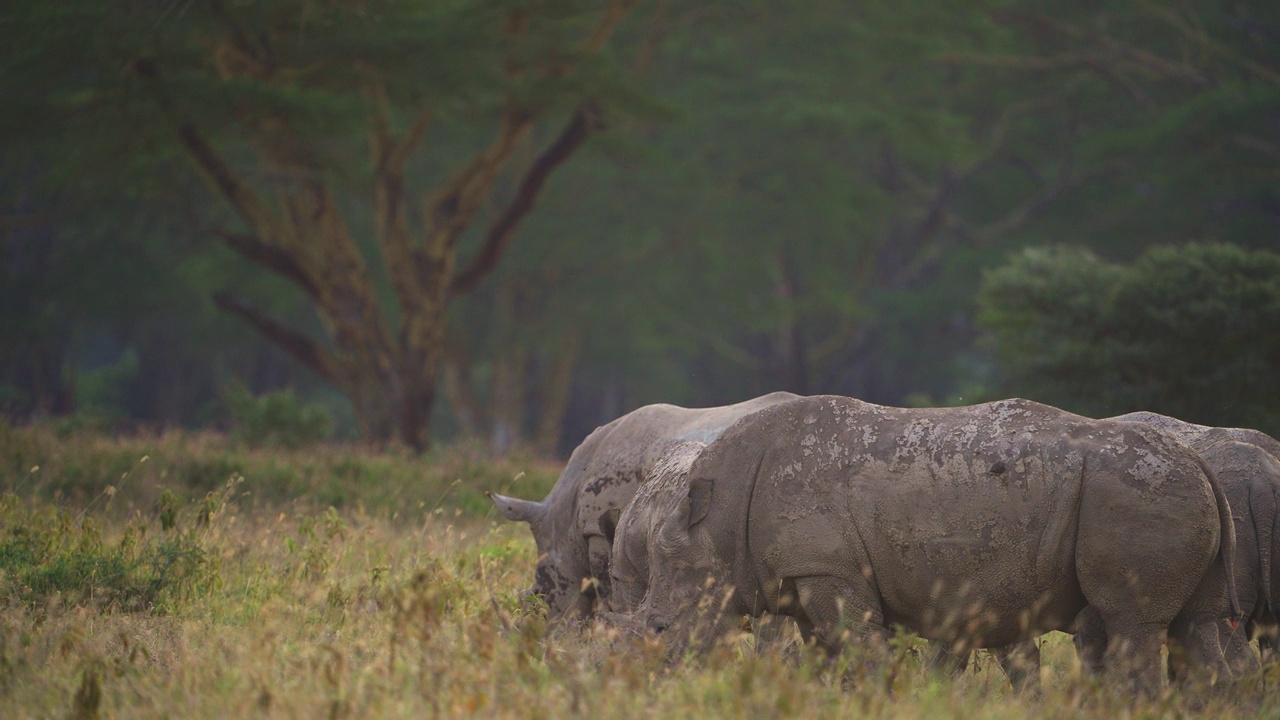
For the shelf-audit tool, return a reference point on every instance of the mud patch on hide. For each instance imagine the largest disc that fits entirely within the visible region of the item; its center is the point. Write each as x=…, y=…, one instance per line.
x=1150, y=471
x=600, y=484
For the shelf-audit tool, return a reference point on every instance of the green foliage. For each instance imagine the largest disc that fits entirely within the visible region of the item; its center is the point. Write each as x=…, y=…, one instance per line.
x=277, y=419
x=1191, y=331
x=787, y=194
x=163, y=473
x=48, y=555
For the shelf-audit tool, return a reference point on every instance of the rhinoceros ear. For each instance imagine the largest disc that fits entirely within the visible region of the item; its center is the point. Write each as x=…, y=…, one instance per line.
x=699, y=499
x=515, y=508
x=609, y=523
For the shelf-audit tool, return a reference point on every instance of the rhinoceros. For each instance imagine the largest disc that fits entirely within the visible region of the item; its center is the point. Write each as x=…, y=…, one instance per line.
x=572, y=574
x=1200, y=435
x=984, y=526
x=1245, y=463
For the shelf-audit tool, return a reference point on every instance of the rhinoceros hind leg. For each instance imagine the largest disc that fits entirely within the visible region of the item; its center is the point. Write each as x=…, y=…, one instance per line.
x=1198, y=653
x=1133, y=653
x=1239, y=651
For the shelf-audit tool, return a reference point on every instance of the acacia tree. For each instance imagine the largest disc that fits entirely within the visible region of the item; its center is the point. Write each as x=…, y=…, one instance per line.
x=285, y=79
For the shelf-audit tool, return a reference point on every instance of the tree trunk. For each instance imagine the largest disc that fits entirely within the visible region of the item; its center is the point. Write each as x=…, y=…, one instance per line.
x=510, y=371
x=555, y=398
x=459, y=391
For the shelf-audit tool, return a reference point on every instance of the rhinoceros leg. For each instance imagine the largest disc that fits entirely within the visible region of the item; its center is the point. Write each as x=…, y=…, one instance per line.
x=1133, y=652
x=773, y=634
x=1203, y=651
x=944, y=658
x=841, y=612
x=1238, y=651
x=598, y=553
x=1215, y=648
x=1021, y=663
x=1090, y=640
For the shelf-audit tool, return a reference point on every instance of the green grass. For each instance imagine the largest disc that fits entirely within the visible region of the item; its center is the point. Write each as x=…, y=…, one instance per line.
x=302, y=611
x=130, y=474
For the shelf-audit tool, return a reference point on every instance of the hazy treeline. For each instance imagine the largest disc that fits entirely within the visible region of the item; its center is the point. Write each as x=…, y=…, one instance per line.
x=520, y=219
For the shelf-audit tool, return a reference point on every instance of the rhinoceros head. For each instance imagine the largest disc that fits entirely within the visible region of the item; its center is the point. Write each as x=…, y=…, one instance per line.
x=558, y=575
x=666, y=572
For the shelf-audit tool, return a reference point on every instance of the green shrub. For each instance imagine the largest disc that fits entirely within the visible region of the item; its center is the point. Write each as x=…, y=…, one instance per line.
x=1191, y=331
x=277, y=419
x=47, y=554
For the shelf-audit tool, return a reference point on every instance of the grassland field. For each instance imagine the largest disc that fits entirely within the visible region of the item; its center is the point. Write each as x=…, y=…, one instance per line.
x=186, y=576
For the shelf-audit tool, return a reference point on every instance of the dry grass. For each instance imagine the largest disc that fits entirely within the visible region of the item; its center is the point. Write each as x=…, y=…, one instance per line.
x=310, y=613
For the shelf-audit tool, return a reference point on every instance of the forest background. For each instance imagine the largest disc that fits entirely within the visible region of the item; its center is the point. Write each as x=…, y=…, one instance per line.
x=514, y=220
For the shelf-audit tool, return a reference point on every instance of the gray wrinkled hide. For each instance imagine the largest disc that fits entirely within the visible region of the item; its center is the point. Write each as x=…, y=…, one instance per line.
x=602, y=474
x=1244, y=461
x=984, y=526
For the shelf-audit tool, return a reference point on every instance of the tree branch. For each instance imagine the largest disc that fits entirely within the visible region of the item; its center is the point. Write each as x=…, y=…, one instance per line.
x=612, y=16
x=585, y=120
x=1151, y=63
x=451, y=208
x=390, y=155
x=1018, y=216
x=256, y=213
x=272, y=258
x=300, y=347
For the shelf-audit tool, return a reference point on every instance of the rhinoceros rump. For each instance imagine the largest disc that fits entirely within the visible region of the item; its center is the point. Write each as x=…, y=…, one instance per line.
x=981, y=526
x=572, y=573
x=1244, y=462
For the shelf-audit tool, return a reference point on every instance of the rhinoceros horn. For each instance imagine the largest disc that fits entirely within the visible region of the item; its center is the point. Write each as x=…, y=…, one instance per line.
x=517, y=509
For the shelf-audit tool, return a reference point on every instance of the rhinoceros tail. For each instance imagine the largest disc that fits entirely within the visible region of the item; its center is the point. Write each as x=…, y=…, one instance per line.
x=1265, y=550
x=1227, y=543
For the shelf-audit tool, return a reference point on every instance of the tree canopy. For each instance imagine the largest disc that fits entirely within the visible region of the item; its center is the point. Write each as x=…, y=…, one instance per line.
x=551, y=211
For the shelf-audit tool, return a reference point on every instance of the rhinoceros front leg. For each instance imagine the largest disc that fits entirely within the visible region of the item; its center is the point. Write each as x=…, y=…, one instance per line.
x=1020, y=663
x=597, y=588
x=945, y=658
x=838, y=611
x=773, y=634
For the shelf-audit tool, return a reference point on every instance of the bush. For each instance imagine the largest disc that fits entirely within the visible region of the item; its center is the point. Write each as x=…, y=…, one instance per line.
x=46, y=554
x=277, y=419
x=1190, y=331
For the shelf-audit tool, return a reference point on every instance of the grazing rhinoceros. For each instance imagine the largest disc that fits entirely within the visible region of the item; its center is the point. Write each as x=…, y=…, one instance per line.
x=602, y=473
x=1246, y=466
x=983, y=526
